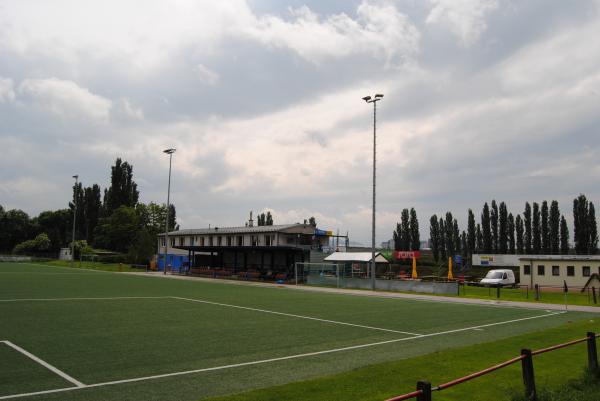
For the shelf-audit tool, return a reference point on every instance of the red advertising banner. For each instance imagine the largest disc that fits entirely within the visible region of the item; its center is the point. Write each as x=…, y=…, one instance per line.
x=406, y=254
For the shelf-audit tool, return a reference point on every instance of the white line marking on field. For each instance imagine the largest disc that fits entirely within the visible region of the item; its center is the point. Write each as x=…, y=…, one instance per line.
x=78, y=299
x=297, y=316
x=283, y=358
x=44, y=364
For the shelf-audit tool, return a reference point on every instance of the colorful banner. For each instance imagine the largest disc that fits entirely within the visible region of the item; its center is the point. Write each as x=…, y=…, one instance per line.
x=407, y=254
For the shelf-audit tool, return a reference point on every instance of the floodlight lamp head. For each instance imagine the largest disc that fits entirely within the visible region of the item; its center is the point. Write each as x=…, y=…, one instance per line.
x=378, y=96
x=169, y=151
x=76, y=176
x=366, y=98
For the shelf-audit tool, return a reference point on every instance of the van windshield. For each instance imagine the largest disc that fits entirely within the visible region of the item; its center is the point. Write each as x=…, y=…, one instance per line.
x=493, y=274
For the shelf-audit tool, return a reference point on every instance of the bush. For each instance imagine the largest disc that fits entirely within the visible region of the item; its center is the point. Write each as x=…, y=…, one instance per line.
x=40, y=243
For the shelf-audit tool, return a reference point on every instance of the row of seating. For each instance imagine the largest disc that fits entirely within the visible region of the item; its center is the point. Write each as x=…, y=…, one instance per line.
x=242, y=275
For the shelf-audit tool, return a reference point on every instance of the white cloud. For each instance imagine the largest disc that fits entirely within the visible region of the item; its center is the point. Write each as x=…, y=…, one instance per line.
x=125, y=110
x=379, y=30
x=7, y=94
x=206, y=75
x=464, y=18
x=65, y=98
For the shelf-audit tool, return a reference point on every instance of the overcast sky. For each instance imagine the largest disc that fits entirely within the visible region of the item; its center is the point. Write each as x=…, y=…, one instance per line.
x=484, y=99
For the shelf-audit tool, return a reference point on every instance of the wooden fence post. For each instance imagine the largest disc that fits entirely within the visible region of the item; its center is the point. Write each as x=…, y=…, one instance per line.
x=426, y=388
x=592, y=353
x=528, y=376
x=594, y=294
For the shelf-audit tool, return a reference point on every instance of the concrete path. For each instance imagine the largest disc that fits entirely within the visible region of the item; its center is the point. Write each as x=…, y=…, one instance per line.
x=383, y=294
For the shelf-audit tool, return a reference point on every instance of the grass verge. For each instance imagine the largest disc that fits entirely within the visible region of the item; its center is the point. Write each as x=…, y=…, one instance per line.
x=554, y=371
x=86, y=265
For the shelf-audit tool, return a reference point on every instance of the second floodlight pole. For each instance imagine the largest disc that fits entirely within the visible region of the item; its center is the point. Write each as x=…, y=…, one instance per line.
x=170, y=153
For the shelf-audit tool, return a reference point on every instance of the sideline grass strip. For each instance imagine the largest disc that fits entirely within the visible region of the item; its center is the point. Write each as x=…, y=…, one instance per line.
x=382, y=381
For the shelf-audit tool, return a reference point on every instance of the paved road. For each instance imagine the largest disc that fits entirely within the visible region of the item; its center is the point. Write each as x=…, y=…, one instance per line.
x=386, y=294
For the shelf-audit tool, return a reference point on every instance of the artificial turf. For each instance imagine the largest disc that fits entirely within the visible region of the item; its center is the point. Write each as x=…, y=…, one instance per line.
x=105, y=340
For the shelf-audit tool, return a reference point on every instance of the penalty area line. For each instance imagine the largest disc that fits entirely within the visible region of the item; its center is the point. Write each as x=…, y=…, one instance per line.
x=44, y=363
x=278, y=359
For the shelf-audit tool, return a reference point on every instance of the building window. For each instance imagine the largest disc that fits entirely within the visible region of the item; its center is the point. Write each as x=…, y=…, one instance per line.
x=201, y=241
x=240, y=240
x=254, y=240
x=181, y=241
x=163, y=241
x=192, y=240
x=210, y=241
x=526, y=270
x=172, y=241
x=555, y=271
x=228, y=241
x=219, y=243
x=586, y=271
x=541, y=270
x=268, y=240
x=570, y=271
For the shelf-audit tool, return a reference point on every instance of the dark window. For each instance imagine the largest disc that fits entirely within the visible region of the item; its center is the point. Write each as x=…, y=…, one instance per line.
x=228, y=241
x=541, y=270
x=586, y=271
x=526, y=270
x=240, y=240
x=201, y=241
x=210, y=241
x=555, y=271
x=570, y=271
x=219, y=243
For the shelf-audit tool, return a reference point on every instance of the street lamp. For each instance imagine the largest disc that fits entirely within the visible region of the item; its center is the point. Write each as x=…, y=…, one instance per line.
x=373, y=100
x=170, y=153
x=74, y=218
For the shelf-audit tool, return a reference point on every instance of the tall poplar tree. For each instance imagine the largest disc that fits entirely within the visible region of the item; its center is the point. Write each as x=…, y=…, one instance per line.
x=494, y=225
x=545, y=229
x=564, y=236
x=519, y=231
x=580, y=224
x=479, y=236
x=554, y=226
x=415, y=237
x=449, y=226
x=123, y=190
x=471, y=235
x=442, y=237
x=486, y=229
x=592, y=230
x=405, y=230
x=456, y=238
x=434, y=235
x=502, y=246
x=536, y=240
x=527, y=239
x=511, y=234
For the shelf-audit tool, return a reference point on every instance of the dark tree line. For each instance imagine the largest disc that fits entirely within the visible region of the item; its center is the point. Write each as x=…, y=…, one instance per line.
x=117, y=221
x=541, y=229
x=406, y=235
x=265, y=219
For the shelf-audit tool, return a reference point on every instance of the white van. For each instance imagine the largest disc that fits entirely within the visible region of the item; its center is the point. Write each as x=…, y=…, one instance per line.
x=501, y=277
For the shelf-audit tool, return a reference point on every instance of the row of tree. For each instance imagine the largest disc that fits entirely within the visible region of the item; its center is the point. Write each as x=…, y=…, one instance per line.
x=116, y=222
x=406, y=234
x=541, y=230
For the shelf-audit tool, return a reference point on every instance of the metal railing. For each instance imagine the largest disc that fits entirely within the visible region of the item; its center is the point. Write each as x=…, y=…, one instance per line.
x=424, y=389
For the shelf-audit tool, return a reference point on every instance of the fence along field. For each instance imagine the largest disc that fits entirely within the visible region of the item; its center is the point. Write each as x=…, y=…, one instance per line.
x=110, y=334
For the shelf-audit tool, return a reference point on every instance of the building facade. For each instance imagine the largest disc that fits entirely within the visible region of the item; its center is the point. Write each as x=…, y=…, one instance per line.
x=263, y=248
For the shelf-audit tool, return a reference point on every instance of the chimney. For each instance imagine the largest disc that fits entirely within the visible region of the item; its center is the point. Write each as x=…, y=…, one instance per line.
x=251, y=222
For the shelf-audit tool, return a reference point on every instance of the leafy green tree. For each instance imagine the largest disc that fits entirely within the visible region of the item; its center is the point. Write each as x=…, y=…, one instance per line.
x=456, y=238
x=502, y=244
x=269, y=219
x=79, y=199
x=92, y=206
x=260, y=220
x=511, y=234
x=434, y=236
x=15, y=227
x=545, y=229
x=40, y=243
x=519, y=231
x=592, y=230
x=142, y=248
x=471, y=235
x=57, y=224
x=554, y=226
x=312, y=221
x=581, y=225
x=415, y=236
x=123, y=189
x=527, y=239
x=486, y=229
x=117, y=231
x=564, y=236
x=494, y=226
x=464, y=246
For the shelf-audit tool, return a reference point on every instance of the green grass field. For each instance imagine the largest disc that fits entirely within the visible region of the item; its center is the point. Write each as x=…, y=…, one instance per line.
x=113, y=336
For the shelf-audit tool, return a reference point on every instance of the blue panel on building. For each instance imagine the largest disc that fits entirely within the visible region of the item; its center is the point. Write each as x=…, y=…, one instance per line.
x=176, y=262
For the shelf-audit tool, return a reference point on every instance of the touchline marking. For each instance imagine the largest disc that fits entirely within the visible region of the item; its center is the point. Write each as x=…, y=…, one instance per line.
x=298, y=316
x=283, y=358
x=44, y=364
